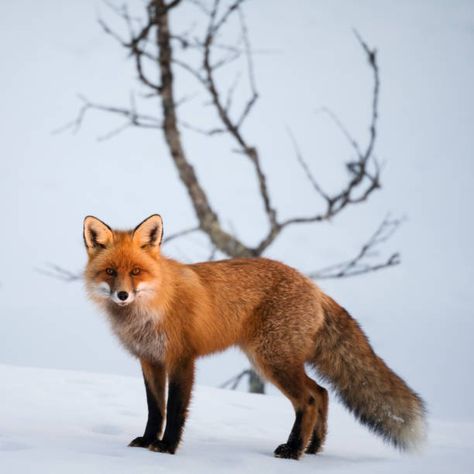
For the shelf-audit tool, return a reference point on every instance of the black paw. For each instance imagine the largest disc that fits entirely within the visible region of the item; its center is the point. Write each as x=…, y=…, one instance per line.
x=140, y=442
x=312, y=450
x=286, y=451
x=314, y=447
x=160, y=446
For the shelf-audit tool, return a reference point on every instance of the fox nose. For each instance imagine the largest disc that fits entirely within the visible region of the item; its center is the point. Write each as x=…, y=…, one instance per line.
x=122, y=295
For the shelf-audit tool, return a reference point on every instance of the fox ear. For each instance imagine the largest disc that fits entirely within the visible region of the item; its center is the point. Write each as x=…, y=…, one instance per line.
x=149, y=232
x=97, y=235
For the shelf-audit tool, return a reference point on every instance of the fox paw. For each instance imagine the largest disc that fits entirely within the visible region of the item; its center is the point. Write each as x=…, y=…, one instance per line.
x=315, y=446
x=140, y=442
x=312, y=450
x=286, y=451
x=160, y=446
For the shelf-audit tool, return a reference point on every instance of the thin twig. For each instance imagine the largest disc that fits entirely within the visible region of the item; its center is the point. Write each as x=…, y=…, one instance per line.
x=59, y=273
x=360, y=263
x=179, y=234
x=134, y=118
x=234, y=381
x=360, y=173
x=233, y=127
x=342, y=128
x=305, y=167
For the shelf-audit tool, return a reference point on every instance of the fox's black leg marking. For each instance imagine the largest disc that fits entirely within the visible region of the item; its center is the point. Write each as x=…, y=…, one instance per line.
x=293, y=447
x=179, y=394
x=155, y=408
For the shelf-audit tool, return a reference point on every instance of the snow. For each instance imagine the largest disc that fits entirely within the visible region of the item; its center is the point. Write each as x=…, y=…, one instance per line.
x=418, y=315
x=79, y=422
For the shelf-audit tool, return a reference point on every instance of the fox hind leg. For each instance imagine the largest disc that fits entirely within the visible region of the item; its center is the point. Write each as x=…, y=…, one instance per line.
x=321, y=400
x=291, y=380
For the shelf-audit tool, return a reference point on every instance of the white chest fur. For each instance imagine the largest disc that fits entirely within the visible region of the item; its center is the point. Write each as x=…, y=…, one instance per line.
x=141, y=334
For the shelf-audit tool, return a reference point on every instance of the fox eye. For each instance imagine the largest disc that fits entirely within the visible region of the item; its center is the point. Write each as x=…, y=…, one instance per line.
x=135, y=271
x=110, y=271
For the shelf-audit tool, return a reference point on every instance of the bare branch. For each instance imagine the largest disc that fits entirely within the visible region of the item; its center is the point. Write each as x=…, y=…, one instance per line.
x=250, y=68
x=231, y=91
x=107, y=30
x=217, y=25
x=359, y=264
x=363, y=179
x=209, y=132
x=233, y=127
x=305, y=167
x=136, y=44
x=113, y=133
x=342, y=128
x=179, y=234
x=207, y=217
x=226, y=60
x=186, y=99
x=234, y=381
x=190, y=70
x=134, y=118
x=372, y=58
x=59, y=273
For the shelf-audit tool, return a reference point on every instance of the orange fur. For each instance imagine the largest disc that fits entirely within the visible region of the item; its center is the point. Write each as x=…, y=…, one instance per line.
x=175, y=313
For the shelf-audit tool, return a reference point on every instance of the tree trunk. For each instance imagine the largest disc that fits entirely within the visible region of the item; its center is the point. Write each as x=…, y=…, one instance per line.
x=256, y=384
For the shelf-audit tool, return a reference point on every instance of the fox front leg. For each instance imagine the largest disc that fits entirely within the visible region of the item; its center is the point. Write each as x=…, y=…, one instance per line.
x=179, y=393
x=155, y=381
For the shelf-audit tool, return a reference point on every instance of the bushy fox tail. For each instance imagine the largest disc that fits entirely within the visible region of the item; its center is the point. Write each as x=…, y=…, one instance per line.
x=376, y=396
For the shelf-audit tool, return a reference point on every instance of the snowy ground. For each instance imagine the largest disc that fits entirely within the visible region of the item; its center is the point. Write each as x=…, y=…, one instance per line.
x=419, y=315
x=68, y=421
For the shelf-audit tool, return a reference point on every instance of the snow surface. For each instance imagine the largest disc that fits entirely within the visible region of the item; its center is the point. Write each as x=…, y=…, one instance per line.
x=418, y=315
x=78, y=422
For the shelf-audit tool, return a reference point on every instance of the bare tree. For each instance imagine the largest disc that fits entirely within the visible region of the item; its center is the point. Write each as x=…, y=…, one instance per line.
x=158, y=53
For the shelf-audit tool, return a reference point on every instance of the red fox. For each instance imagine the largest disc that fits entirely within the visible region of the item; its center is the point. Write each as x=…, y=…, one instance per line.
x=167, y=314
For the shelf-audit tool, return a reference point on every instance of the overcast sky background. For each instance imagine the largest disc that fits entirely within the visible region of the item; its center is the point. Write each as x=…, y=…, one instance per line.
x=418, y=316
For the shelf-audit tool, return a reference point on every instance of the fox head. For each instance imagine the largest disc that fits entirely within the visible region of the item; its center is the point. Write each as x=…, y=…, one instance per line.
x=123, y=267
